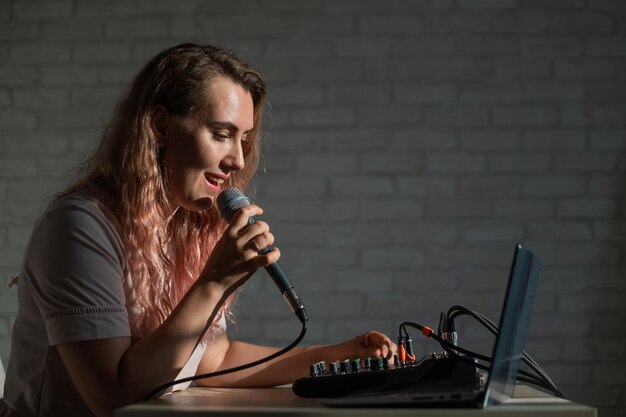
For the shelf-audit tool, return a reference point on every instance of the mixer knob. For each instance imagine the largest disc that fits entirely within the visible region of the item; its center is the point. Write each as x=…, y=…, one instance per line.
x=321, y=366
x=375, y=365
x=313, y=371
x=344, y=366
x=385, y=363
x=356, y=364
x=396, y=360
x=368, y=363
x=333, y=368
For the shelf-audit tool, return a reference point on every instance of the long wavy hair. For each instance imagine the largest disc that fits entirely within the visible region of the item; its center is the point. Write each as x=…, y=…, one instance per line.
x=165, y=254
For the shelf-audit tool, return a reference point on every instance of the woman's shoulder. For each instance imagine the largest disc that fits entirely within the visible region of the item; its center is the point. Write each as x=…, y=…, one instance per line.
x=90, y=201
x=91, y=196
x=76, y=225
x=82, y=212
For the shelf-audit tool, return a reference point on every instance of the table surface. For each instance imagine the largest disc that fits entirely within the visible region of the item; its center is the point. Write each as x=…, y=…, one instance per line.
x=196, y=401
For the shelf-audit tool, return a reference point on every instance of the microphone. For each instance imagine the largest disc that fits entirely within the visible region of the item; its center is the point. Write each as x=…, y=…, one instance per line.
x=228, y=202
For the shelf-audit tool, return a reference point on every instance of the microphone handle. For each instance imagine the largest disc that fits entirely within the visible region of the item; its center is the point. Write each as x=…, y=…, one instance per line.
x=278, y=275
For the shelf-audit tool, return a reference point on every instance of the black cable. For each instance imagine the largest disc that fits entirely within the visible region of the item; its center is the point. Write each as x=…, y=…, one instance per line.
x=234, y=369
x=403, y=329
x=543, y=381
x=526, y=376
x=456, y=311
x=447, y=344
x=526, y=357
x=442, y=326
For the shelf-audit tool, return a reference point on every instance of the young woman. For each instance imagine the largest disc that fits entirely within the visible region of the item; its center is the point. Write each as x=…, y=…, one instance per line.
x=125, y=269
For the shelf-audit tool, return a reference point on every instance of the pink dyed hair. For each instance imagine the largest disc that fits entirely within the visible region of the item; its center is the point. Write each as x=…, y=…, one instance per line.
x=164, y=257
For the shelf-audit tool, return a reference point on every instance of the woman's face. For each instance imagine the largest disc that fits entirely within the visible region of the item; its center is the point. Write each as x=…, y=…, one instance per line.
x=202, y=150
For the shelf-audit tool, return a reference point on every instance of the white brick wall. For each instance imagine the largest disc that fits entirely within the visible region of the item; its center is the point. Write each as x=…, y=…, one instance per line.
x=409, y=145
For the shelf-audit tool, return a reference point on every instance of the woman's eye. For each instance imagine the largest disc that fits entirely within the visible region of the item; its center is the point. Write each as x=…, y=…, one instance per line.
x=221, y=135
x=246, y=144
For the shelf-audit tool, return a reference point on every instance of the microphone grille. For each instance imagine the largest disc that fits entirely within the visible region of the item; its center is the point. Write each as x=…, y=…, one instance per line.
x=229, y=201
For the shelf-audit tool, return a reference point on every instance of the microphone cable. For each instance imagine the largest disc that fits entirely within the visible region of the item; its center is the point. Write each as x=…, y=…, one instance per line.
x=274, y=355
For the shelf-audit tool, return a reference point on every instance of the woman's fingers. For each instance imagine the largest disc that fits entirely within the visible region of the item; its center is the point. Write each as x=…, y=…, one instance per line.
x=244, y=242
x=253, y=238
x=260, y=242
x=266, y=259
x=259, y=231
x=241, y=216
x=379, y=344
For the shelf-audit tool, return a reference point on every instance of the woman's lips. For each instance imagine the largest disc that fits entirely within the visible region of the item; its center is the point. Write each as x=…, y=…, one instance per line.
x=214, y=182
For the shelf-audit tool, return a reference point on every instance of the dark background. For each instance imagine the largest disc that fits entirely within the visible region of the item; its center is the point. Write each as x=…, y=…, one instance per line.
x=408, y=146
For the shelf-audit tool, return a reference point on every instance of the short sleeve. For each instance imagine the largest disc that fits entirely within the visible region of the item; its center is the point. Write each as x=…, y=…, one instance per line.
x=74, y=267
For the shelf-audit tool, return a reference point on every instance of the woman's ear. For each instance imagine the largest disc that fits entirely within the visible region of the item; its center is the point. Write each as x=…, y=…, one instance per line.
x=159, y=122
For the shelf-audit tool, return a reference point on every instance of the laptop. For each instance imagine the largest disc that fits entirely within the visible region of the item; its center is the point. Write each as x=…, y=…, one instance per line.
x=506, y=356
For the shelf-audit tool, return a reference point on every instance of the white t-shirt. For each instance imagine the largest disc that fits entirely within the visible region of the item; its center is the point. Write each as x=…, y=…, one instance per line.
x=70, y=289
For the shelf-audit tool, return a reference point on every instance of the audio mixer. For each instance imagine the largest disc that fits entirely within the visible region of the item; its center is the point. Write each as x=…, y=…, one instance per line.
x=376, y=375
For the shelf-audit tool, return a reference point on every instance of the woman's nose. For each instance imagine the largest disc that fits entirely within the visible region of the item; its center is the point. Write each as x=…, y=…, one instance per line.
x=235, y=160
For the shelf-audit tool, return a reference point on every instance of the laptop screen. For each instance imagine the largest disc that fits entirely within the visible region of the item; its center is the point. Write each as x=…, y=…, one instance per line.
x=514, y=321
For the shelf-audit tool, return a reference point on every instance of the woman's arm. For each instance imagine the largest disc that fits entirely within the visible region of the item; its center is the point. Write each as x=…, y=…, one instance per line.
x=288, y=367
x=112, y=372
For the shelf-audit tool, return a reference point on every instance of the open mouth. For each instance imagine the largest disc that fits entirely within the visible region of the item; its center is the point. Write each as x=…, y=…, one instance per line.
x=214, y=180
